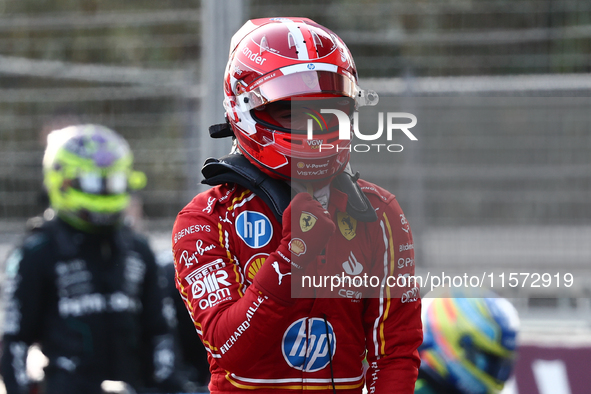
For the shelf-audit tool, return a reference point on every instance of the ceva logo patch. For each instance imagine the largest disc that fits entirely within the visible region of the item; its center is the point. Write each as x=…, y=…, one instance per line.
x=305, y=345
x=254, y=229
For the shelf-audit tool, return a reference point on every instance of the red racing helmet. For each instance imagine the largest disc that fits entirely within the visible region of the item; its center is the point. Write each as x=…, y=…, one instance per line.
x=282, y=68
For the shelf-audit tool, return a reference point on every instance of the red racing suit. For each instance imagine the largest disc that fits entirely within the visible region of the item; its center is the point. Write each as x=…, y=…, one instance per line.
x=258, y=340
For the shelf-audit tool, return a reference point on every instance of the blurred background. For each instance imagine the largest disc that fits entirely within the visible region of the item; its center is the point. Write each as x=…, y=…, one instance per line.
x=498, y=181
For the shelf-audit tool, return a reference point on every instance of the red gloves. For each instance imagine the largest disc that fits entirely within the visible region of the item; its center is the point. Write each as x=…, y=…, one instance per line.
x=307, y=227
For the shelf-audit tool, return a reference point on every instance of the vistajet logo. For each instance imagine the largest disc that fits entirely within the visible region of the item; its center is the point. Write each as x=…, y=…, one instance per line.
x=392, y=124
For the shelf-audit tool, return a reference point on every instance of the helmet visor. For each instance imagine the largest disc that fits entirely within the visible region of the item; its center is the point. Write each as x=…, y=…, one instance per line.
x=269, y=89
x=300, y=114
x=498, y=367
x=98, y=184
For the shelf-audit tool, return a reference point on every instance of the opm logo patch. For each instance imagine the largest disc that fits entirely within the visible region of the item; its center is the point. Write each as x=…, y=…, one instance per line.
x=254, y=229
x=210, y=285
x=305, y=345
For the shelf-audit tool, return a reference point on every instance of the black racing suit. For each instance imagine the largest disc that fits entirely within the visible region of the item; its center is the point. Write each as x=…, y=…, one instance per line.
x=93, y=303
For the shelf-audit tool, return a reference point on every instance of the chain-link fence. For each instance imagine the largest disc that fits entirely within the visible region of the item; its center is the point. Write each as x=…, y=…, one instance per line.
x=496, y=182
x=132, y=70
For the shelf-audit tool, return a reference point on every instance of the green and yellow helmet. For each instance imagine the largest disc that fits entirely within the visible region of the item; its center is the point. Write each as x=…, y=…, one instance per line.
x=470, y=342
x=87, y=171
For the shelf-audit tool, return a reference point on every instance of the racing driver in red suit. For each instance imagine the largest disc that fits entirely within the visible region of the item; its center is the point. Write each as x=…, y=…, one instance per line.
x=285, y=212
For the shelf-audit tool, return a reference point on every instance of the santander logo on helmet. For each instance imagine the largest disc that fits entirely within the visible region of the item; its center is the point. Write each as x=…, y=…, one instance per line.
x=275, y=62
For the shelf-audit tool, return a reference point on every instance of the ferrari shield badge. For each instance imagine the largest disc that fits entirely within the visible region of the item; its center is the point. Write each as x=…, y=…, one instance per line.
x=347, y=225
x=307, y=221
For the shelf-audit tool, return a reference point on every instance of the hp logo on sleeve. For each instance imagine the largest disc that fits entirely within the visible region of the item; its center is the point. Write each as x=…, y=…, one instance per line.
x=254, y=229
x=305, y=346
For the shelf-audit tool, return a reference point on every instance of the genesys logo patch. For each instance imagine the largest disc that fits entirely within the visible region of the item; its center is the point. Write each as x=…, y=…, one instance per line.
x=254, y=229
x=305, y=344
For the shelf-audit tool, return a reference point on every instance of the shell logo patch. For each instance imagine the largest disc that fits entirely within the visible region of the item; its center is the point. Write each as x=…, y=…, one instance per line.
x=347, y=225
x=297, y=246
x=254, y=264
x=307, y=221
